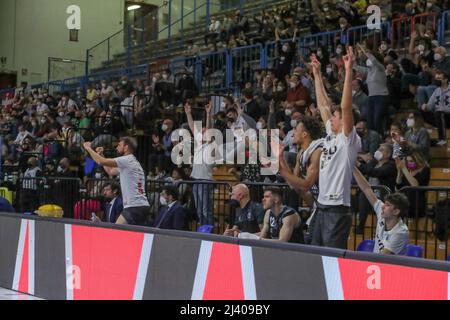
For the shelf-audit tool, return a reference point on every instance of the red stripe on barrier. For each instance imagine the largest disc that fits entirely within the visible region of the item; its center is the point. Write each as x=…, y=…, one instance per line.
x=362, y=280
x=108, y=261
x=224, y=279
x=23, y=282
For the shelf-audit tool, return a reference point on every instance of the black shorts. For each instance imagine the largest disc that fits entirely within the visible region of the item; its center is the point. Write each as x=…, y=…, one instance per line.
x=136, y=215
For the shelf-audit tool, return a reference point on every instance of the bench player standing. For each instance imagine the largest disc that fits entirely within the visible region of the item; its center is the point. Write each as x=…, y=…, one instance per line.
x=333, y=220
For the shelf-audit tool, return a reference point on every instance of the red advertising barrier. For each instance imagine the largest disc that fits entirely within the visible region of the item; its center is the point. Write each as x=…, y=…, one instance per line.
x=55, y=259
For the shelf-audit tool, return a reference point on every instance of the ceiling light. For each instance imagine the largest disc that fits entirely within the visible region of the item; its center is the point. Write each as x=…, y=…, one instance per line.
x=133, y=7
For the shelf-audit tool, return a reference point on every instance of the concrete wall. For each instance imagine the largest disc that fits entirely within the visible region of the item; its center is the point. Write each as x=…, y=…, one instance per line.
x=31, y=31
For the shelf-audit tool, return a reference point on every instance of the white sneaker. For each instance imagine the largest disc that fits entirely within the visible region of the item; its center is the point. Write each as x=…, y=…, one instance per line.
x=442, y=143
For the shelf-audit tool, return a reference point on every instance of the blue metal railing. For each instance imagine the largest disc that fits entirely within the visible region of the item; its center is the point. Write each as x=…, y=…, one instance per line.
x=443, y=25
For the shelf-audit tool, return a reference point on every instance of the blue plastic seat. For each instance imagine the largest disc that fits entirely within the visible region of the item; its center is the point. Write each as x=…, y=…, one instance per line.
x=205, y=228
x=448, y=257
x=414, y=251
x=366, y=246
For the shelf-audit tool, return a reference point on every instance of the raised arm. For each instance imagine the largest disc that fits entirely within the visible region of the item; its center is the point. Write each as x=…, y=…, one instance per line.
x=208, y=108
x=190, y=119
x=98, y=158
x=365, y=187
x=323, y=103
x=347, y=99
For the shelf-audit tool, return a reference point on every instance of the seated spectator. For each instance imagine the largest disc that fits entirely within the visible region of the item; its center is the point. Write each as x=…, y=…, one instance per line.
x=360, y=98
x=439, y=105
x=113, y=206
x=250, y=106
x=249, y=215
x=414, y=172
x=171, y=215
x=29, y=194
x=382, y=171
x=281, y=223
x=392, y=235
x=66, y=102
x=213, y=30
x=370, y=139
x=298, y=95
x=63, y=169
x=442, y=59
x=417, y=136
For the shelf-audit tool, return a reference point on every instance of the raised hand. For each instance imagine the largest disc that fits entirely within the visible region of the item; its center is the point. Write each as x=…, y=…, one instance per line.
x=155, y=139
x=87, y=145
x=208, y=108
x=315, y=64
x=188, y=108
x=100, y=150
x=349, y=58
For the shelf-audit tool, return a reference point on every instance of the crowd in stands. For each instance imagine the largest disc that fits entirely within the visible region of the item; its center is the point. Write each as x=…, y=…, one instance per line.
x=43, y=133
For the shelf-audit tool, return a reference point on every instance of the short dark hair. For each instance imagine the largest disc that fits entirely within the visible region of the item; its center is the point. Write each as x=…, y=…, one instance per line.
x=130, y=142
x=115, y=187
x=171, y=191
x=399, y=201
x=275, y=191
x=445, y=74
x=312, y=126
x=247, y=93
x=355, y=113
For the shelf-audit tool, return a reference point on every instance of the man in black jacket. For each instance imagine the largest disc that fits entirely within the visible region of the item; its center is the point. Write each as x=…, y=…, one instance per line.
x=381, y=170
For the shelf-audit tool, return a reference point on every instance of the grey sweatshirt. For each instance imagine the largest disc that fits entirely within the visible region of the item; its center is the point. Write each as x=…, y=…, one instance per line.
x=440, y=100
x=376, y=77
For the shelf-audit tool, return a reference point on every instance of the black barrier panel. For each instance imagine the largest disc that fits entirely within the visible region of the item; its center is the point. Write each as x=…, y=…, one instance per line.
x=50, y=278
x=171, y=273
x=9, y=241
x=308, y=283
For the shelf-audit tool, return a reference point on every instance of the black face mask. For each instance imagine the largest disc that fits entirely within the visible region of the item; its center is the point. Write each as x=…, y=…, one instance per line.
x=360, y=133
x=438, y=83
x=234, y=203
x=231, y=120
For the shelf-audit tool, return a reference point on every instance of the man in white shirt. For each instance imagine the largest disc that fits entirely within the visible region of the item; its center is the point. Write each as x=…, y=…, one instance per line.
x=392, y=234
x=332, y=223
x=132, y=180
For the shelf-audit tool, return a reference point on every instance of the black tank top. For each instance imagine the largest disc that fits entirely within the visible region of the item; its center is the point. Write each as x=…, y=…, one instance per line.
x=276, y=223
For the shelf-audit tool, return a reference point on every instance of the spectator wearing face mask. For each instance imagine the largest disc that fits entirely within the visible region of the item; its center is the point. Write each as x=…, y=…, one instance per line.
x=298, y=96
x=186, y=87
x=66, y=102
x=442, y=59
x=370, y=139
x=41, y=107
x=378, y=91
x=417, y=136
x=381, y=170
x=162, y=146
x=414, y=171
x=360, y=99
x=29, y=194
x=286, y=54
x=251, y=107
x=439, y=105
x=62, y=118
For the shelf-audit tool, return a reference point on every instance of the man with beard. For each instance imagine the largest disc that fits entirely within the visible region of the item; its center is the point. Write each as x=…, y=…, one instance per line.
x=132, y=180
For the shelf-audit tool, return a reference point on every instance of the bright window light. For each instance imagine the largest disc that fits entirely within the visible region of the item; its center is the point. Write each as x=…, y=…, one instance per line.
x=133, y=7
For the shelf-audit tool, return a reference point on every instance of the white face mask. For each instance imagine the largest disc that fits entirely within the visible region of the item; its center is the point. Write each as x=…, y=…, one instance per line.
x=98, y=175
x=319, y=54
x=354, y=92
x=343, y=26
x=61, y=114
x=288, y=112
x=164, y=127
x=280, y=89
x=259, y=125
x=60, y=169
x=165, y=76
x=368, y=63
x=223, y=105
x=410, y=123
x=293, y=123
x=285, y=49
x=162, y=201
x=329, y=70
x=103, y=85
x=437, y=56
x=383, y=47
x=338, y=51
x=292, y=85
x=154, y=79
x=421, y=48
x=378, y=155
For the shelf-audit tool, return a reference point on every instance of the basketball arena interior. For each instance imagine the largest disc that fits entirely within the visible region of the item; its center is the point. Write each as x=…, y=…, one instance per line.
x=225, y=150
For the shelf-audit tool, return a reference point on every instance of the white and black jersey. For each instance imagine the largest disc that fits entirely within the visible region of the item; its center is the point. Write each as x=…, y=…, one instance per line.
x=338, y=160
